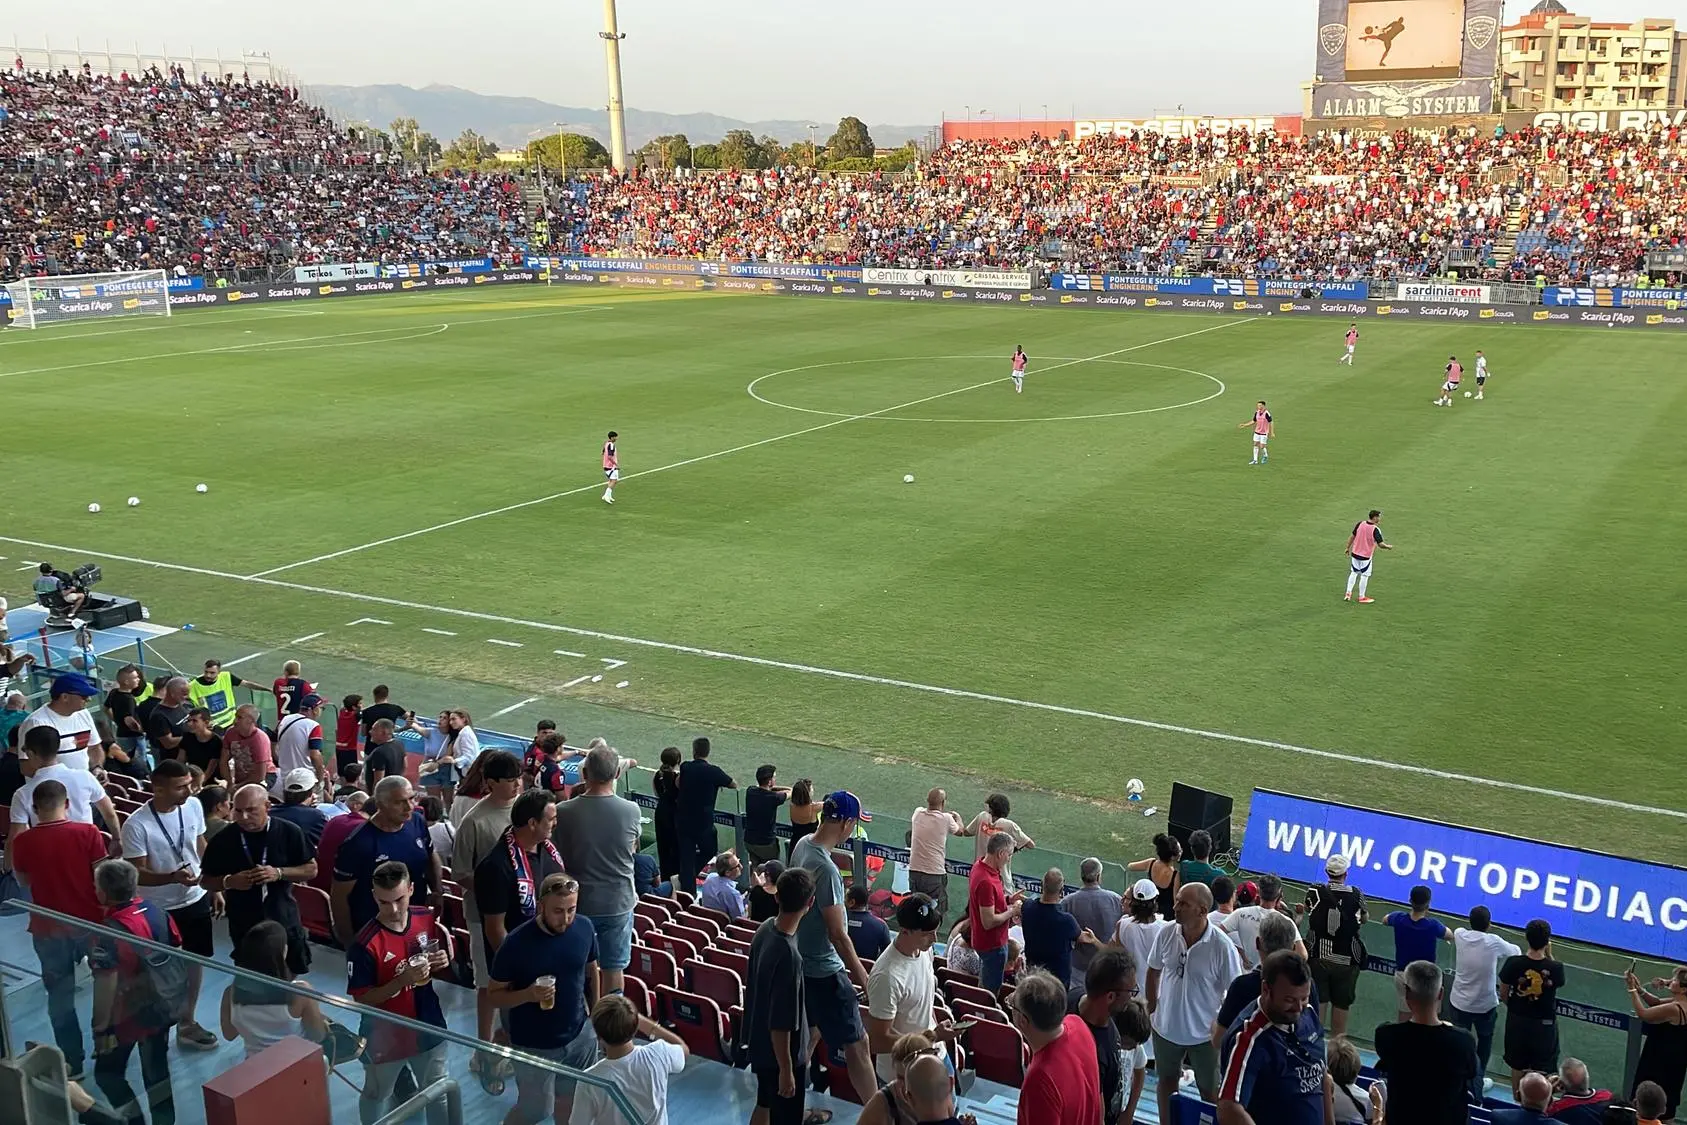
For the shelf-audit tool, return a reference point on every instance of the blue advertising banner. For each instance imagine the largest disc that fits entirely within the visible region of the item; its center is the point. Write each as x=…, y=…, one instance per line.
x=177, y=285
x=1208, y=286
x=785, y=271
x=1626, y=904
x=1586, y=298
x=448, y=265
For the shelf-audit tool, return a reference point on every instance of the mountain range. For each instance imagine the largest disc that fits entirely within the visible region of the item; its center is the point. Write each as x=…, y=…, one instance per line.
x=445, y=111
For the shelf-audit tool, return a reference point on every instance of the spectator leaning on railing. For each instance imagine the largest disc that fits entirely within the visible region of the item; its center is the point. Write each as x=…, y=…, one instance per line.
x=928, y=848
x=1474, y=1002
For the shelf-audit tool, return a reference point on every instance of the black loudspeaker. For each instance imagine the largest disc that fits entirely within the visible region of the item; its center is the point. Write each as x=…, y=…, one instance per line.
x=1193, y=808
x=106, y=612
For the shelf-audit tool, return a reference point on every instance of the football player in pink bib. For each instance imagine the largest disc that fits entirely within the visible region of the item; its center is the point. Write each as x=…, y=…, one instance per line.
x=1361, y=547
x=1019, y=361
x=1263, y=432
x=1352, y=342
x=1455, y=372
x=611, y=467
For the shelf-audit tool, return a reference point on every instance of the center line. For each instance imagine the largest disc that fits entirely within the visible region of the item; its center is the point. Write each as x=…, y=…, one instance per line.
x=726, y=452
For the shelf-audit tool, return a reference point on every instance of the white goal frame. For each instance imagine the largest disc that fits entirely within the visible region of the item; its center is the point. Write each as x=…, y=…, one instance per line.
x=39, y=302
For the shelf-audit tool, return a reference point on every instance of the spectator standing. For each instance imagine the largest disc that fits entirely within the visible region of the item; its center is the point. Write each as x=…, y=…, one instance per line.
x=1102, y=1002
x=254, y=865
x=1224, y=899
x=1139, y=930
x=84, y=795
x=507, y=881
x=1243, y=923
x=536, y=753
x=640, y=1072
x=928, y=849
x=164, y=841
x=395, y=830
x=55, y=860
x=597, y=833
x=831, y=969
x=166, y=724
x=66, y=711
x=1428, y=1064
x=776, y=1033
x=1474, y=1003
x=867, y=931
x=218, y=809
x=1097, y=910
x=761, y=902
x=1529, y=985
x=699, y=781
x=1334, y=913
x=1049, y=931
x=720, y=890
x=1663, y=1055
x=347, y=725
x=382, y=708
x=991, y=911
x=298, y=741
x=1577, y=1101
x=1161, y=871
x=1274, y=1056
x=200, y=745
x=260, y=1015
x=1651, y=1103
x=121, y=707
x=334, y=833
x=247, y=755
x=383, y=756
x=1190, y=967
x=465, y=748
x=391, y=966
x=1063, y=1083
x=1415, y=937
x=299, y=804
x=480, y=832
x=761, y=809
x=1350, y=1103
x=440, y=831
x=1535, y=1094
x=439, y=759
x=134, y=1008
x=1276, y=933
x=1198, y=866
x=902, y=985
x=545, y=974
x=992, y=820
x=804, y=813
x=289, y=688
x=665, y=818
x=213, y=689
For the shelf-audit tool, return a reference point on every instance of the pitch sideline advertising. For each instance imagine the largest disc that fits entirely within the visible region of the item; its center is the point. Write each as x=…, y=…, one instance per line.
x=336, y=271
x=1445, y=291
x=961, y=279
x=1221, y=286
x=1627, y=904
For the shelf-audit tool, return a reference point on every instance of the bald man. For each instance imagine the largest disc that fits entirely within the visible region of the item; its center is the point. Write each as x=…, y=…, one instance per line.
x=928, y=848
x=1534, y=1092
x=255, y=863
x=931, y=1092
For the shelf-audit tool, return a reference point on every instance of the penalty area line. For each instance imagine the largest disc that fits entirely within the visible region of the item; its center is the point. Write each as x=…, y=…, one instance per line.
x=881, y=681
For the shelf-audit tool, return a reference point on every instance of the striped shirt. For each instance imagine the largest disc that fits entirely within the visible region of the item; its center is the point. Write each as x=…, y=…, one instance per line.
x=1275, y=1072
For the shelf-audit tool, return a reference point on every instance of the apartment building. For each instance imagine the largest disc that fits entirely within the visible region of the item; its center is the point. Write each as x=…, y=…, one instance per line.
x=1553, y=60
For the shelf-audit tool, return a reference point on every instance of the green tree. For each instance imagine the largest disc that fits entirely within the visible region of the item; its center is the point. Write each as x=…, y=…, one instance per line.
x=411, y=142
x=738, y=149
x=579, y=150
x=851, y=139
x=671, y=151
x=470, y=150
x=705, y=156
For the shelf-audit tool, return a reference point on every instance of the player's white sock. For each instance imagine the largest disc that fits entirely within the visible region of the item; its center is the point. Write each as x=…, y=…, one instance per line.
x=1352, y=577
x=609, y=494
x=1364, y=580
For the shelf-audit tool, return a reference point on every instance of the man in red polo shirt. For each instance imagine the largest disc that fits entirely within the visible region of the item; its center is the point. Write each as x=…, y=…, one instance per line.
x=1063, y=1083
x=992, y=911
x=55, y=860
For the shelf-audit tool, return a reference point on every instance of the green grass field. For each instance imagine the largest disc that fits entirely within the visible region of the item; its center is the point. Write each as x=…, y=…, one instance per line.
x=1093, y=551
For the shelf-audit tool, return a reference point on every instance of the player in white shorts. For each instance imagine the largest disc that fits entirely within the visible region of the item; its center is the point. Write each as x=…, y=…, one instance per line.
x=611, y=467
x=1019, y=361
x=1352, y=342
x=1481, y=372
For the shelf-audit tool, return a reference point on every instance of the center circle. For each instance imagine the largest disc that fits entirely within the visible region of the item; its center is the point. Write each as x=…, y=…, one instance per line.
x=889, y=414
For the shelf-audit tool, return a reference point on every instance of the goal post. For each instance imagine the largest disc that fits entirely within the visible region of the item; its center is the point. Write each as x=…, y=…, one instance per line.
x=38, y=302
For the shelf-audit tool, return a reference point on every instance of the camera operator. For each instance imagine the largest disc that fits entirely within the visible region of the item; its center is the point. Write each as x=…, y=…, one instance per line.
x=57, y=582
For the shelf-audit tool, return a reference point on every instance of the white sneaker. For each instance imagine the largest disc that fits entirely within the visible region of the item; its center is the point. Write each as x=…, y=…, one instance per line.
x=608, y=499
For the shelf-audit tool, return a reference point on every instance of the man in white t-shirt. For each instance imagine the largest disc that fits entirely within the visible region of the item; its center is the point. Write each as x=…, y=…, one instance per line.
x=902, y=984
x=298, y=741
x=1475, y=999
x=1242, y=924
x=67, y=712
x=84, y=794
x=641, y=1073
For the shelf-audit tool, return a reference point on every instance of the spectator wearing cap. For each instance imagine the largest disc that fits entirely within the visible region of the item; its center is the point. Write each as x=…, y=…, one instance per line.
x=1243, y=923
x=720, y=890
x=298, y=740
x=164, y=841
x=1334, y=912
x=1051, y=932
x=1415, y=937
x=867, y=931
x=1474, y=1002
x=1096, y=909
x=1063, y=1083
x=641, y=1072
x=597, y=833
x=395, y=830
x=299, y=804
x=1277, y=932
x=902, y=985
x=761, y=809
x=1140, y=928
x=776, y=1028
x=1428, y=1064
x=1274, y=1068
x=831, y=968
x=700, y=780
x=1104, y=1003
x=1190, y=967
x=166, y=722
x=66, y=711
x=991, y=911
x=55, y=861
x=254, y=864
x=928, y=848
x=84, y=795
x=248, y=758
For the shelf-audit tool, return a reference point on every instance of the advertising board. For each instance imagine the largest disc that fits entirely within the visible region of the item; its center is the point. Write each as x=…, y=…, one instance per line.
x=1233, y=286
x=1599, y=120
x=1627, y=904
x=336, y=271
x=1445, y=291
x=963, y=279
x=1181, y=126
x=438, y=267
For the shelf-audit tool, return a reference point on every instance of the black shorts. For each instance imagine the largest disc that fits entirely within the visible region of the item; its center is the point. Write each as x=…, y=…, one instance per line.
x=834, y=1009
x=780, y=1111
x=1531, y=1044
x=193, y=922
x=1480, y=379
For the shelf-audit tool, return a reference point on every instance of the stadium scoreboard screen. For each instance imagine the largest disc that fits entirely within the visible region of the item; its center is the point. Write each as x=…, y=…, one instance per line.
x=1406, y=58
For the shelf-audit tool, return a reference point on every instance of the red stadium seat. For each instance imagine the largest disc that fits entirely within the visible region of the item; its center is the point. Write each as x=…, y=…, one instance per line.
x=678, y=948
x=655, y=967
x=638, y=992
x=733, y=946
x=838, y=1083
x=946, y=975
x=698, y=938
x=719, y=918
x=717, y=982
x=654, y=911
x=726, y=959
x=966, y=1009
x=453, y=914
x=742, y=929
x=999, y=1053
x=315, y=913
x=970, y=993
x=699, y=1021
x=685, y=898
x=642, y=925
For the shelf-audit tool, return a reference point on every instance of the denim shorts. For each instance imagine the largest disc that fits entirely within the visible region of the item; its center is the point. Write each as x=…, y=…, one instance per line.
x=614, y=940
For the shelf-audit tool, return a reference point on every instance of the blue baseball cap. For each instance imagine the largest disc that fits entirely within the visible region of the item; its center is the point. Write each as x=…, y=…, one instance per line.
x=72, y=683
x=844, y=805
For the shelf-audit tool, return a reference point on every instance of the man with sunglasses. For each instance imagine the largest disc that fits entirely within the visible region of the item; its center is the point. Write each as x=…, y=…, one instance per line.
x=394, y=831
x=1189, y=969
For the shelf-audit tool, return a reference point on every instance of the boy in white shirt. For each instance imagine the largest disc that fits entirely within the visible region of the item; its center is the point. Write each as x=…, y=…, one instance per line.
x=640, y=1072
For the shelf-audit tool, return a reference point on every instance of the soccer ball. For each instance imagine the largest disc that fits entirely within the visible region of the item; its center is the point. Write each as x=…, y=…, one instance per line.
x=909, y=479
x=1369, y=29
x=1133, y=788
x=94, y=508
x=200, y=488
x=1467, y=394
x=134, y=501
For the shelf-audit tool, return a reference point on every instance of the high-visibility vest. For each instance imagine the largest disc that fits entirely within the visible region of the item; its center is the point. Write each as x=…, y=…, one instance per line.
x=216, y=697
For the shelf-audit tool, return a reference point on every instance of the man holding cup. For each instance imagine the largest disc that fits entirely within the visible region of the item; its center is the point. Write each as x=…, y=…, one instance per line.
x=545, y=976
x=392, y=961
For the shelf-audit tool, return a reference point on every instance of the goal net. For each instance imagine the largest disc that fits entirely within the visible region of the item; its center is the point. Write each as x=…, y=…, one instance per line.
x=41, y=301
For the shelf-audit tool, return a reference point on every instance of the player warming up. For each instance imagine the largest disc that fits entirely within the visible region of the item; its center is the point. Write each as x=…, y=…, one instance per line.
x=1352, y=342
x=1020, y=359
x=1481, y=374
x=1263, y=432
x=1455, y=372
x=1361, y=546
x=611, y=468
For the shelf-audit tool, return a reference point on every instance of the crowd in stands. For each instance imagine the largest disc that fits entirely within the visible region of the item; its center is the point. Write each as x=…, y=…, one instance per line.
x=172, y=805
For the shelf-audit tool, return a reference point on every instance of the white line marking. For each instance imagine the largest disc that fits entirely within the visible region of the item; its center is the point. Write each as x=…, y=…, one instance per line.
x=722, y=453
x=578, y=680
x=861, y=677
x=613, y=664
x=515, y=707
x=506, y=644
x=565, y=652
x=369, y=621
x=438, y=632
x=306, y=637
x=192, y=322
x=244, y=659
x=225, y=348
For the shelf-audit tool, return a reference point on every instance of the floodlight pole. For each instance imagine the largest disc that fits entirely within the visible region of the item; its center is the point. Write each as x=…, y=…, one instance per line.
x=611, y=36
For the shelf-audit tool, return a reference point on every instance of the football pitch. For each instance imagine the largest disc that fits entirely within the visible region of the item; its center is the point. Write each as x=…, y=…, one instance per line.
x=1085, y=582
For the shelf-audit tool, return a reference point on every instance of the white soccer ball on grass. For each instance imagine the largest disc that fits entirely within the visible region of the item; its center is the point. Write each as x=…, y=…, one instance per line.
x=909, y=479
x=134, y=501
x=1133, y=788
x=94, y=508
x=1467, y=394
x=200, y=488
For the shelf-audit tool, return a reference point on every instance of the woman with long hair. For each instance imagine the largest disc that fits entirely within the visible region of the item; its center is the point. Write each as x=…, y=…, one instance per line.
x=261, y=1015
x=805, y=812
x=666, y=817
x=470, y=788
x=1663, y=1056
x=1162, y=870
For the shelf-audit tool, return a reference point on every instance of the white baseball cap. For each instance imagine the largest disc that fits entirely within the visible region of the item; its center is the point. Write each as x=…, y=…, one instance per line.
x=300, y=780
x=1144, y=890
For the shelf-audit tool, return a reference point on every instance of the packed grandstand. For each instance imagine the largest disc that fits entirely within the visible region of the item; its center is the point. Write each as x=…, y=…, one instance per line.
x=233, y=178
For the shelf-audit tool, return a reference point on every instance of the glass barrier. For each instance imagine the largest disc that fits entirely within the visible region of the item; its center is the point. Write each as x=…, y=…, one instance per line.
x=378, y=1065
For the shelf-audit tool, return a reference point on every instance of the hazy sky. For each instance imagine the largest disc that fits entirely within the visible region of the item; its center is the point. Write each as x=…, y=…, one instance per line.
x=908, y=62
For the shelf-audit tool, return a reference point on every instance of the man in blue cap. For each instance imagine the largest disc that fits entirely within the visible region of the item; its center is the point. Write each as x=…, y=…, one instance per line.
x=67, y=712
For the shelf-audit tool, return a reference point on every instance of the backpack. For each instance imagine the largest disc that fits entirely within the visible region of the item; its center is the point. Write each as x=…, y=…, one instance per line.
x=1333, y=919
x=157, y=996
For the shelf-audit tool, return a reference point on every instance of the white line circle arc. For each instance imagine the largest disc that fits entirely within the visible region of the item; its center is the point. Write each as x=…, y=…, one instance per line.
x=751, y=390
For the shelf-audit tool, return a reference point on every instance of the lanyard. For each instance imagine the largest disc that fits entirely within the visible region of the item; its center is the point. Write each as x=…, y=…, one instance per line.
x=180, y=841
x=246, y=845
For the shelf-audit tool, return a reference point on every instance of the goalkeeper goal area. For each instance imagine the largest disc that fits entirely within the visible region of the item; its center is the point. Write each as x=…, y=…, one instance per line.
x=40, y=302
